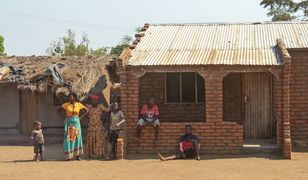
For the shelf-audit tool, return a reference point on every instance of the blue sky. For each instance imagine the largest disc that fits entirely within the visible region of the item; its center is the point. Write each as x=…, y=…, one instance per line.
x=27, y=32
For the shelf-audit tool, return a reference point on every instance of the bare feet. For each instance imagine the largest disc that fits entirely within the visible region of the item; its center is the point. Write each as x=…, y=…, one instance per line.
x=78, y=158
x=36, y=158
x=161, y=157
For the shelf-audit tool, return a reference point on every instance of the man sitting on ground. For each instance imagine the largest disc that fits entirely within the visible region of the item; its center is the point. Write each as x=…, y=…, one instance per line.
x=189, y=147
x=149, y=115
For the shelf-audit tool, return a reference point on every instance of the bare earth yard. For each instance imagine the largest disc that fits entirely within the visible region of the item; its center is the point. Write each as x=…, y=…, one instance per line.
x=16, y=164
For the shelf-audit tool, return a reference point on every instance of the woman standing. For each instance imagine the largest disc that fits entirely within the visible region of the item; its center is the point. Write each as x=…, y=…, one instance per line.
x=95, y=141
x=72, y=130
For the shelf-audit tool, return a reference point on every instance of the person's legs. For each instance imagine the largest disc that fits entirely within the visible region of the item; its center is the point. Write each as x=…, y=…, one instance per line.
x=78, y=143
x=36, y=157
x=41, y=150
x=90, y=144
x=36, y=152
x=109, y=150
x=140, y=123
x=196, y=147
x=156, y=132
x=110, y=145
x=156, y=125
x=115, y=142
x=172, y=157
x=143, y=122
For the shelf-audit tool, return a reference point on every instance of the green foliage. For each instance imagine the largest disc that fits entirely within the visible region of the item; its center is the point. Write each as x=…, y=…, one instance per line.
x=282, y=16
x=68, y=46
x=138, y=29
x=126, y=39
x=55, y=49
x=119, y=48
x=123, y=44
x=2, y=53
x=98, y=52
x=286, y=10
x=303, y=8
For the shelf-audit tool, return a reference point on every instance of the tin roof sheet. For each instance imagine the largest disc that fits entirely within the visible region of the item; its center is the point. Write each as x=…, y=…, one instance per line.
x=217, y=44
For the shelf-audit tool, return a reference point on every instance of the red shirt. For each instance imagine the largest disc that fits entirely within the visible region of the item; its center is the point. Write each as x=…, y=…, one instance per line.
x=149, y=112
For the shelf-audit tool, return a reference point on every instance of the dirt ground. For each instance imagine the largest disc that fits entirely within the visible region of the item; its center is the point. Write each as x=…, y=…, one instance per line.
x=16, y=163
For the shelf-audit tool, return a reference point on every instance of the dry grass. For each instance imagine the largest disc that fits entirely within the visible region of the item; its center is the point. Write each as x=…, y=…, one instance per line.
x=82, y=73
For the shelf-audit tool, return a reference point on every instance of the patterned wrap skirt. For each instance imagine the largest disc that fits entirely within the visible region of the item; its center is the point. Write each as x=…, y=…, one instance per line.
x=72, y=137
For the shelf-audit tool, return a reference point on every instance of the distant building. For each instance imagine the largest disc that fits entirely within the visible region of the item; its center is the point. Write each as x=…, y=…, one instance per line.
x=32, y=88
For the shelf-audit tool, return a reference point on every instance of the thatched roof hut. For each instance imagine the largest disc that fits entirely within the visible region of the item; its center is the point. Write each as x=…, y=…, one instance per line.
x=32, y=88
x=82, y=75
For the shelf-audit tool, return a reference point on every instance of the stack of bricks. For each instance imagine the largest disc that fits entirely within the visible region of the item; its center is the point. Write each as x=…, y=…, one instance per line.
x=120, y=148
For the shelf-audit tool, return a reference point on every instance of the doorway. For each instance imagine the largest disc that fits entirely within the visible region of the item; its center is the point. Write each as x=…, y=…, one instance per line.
x=247, y=100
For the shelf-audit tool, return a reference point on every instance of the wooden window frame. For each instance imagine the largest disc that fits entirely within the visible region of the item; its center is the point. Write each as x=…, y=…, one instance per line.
x=181, y=91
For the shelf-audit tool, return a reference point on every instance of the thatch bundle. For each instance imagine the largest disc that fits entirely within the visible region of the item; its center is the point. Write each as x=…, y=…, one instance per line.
x=82, y=75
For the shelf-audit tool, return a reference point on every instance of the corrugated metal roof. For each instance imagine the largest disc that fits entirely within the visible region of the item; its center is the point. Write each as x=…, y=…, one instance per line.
x=230, y=44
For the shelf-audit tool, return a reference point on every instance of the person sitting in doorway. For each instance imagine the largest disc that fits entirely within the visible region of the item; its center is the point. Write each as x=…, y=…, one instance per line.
x=189, y=147
x=149, y=115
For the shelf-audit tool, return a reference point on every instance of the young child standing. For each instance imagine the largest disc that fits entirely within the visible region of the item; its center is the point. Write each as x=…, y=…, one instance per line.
x=38, y=141
x=117, y=119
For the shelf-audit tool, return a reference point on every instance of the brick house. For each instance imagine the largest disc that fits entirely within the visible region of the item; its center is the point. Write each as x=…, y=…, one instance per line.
x=232, y=82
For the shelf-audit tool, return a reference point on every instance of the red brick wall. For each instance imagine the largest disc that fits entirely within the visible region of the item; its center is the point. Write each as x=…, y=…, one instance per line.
x=153, y=85
x=299, y=98
x=232, y=98
x=216, y=135
x=277, y=108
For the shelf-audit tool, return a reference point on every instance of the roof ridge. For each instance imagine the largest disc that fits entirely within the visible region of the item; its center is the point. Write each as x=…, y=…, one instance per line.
x=229, y=23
